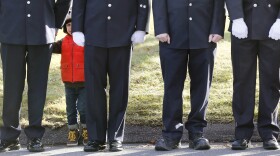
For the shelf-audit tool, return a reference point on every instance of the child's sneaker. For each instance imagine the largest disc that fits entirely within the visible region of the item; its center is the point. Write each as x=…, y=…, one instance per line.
x=85, y=136
x=73, y=137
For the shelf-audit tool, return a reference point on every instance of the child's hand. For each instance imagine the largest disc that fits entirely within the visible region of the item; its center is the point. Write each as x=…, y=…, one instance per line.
x=79, y=38
x=56, y=31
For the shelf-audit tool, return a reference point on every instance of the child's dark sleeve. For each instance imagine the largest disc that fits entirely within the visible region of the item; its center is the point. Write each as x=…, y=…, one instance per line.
x=57, y=47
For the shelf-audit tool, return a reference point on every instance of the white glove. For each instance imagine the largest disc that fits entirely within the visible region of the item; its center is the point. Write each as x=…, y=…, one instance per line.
x=239, y=28
x=274, y=32
x=79, y=38
x=138, y=37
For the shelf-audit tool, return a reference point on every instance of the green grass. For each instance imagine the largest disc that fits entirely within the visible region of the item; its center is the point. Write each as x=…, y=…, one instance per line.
x=146, y=88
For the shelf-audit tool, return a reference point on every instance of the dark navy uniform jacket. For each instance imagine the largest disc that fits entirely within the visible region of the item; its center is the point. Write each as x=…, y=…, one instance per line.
x=259, y=15
x=189, y=22
x=31, y=22
x=109, y=23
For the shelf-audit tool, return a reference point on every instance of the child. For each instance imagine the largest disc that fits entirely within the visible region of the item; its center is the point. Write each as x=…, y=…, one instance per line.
x=72, y=73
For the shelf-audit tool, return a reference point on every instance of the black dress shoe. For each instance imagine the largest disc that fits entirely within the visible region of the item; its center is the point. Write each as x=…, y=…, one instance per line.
x=93, y=146
x=115, y=146
x=167, y=145
x=240, y=144
x=35, y=145
x=198, y=142
x=9, y=145
x=270, y=144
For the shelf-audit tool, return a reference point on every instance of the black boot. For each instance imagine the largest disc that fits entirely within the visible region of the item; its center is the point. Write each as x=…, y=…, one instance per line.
x=94, y=146
x=198, y=142
x=240, y=144
x=270, y=144
x=35, y=145
x=115, y=146
x=6, y=145
x=167, y=145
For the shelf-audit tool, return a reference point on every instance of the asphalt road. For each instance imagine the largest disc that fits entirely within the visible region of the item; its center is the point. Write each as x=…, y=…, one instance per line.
x=221, y=133
x=217, y=149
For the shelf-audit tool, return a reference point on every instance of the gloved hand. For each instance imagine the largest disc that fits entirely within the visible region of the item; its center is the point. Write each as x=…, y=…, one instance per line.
x=138, y=37
x=239, y=28
x=79, y=38
x=274, y=32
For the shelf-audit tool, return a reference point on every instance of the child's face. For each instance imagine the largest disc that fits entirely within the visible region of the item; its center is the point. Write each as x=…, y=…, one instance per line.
x=68, y=28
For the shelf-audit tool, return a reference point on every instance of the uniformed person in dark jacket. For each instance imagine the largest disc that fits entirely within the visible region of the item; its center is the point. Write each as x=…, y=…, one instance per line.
x=27, y=29
x=188, y=32
x=255, y=29
x=108, y=28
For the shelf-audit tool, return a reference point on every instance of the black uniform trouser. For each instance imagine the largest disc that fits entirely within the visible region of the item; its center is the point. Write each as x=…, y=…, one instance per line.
x=245, y=54
x=174, y=64
x=100, y=62
x=14, y=59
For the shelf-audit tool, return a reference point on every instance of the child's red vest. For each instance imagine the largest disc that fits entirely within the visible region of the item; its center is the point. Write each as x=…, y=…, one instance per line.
x=72, y=61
